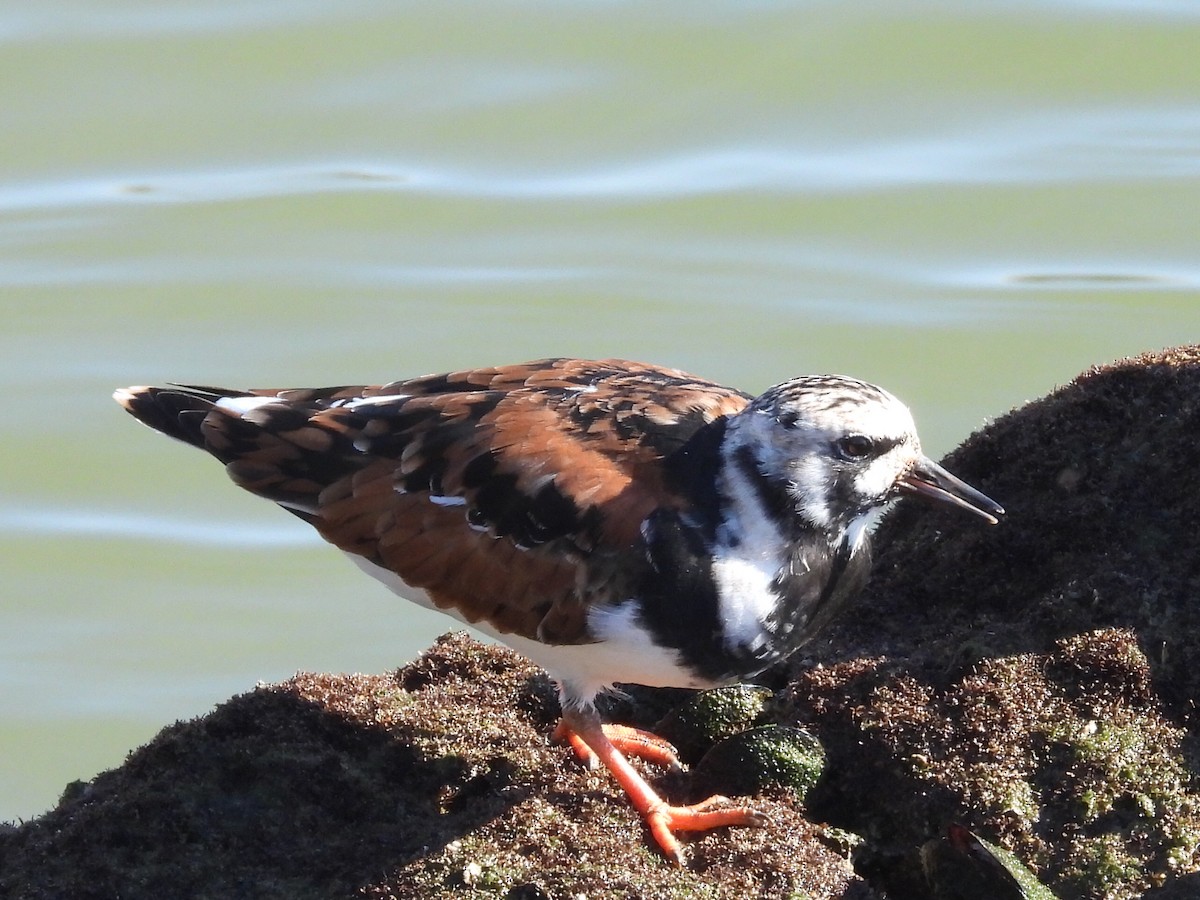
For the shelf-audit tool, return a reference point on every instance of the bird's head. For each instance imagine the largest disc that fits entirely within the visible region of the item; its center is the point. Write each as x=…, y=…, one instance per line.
x=842, y=450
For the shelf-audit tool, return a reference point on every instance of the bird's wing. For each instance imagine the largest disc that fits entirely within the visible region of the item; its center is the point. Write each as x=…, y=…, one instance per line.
x=489, y=489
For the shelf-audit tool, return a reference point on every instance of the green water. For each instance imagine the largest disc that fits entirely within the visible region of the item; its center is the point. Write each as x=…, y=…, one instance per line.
x=966, y=202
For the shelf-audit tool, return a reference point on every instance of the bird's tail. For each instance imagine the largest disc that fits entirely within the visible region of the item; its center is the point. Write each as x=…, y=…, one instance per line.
x=177, y=411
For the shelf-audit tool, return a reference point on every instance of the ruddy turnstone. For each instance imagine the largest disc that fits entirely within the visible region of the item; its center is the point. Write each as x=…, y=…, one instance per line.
x=614, y=521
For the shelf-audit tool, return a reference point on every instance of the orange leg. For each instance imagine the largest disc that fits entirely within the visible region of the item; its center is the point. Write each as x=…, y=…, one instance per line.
x=628, y=740
x=594, y=743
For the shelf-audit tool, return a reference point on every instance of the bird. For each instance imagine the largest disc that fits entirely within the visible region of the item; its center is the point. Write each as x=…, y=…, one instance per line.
x=615, y=522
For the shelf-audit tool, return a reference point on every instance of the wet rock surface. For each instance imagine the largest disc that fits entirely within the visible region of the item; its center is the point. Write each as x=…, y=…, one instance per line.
x=436, y=781
x=1032, y=682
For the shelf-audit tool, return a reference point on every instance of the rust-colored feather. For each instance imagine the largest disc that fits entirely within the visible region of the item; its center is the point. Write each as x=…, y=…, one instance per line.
x=491, y=489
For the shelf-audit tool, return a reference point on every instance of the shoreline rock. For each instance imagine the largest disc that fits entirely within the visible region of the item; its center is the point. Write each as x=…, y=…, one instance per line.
x=431, y=782
x=1034, y=682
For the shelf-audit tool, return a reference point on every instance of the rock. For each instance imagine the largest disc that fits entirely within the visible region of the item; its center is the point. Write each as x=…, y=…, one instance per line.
x=432, y=781
x=963, y=866
x=753, y=761
x=1034, y=681
x=711, y=716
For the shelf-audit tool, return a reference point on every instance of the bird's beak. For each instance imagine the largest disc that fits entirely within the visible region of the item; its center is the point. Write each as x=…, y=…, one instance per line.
x=929, y=480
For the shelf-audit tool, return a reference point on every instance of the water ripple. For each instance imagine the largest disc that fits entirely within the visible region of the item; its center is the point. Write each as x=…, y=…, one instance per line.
x=125, y=525
x=1056, y=146
x=157, y=20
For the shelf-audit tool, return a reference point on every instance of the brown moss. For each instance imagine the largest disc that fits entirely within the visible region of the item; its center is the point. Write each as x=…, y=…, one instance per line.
x=437, y=781
x=1035, y=680
x=1100, y=480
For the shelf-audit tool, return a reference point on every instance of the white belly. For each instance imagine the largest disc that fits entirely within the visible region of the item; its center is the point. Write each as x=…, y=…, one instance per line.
x=623, y=653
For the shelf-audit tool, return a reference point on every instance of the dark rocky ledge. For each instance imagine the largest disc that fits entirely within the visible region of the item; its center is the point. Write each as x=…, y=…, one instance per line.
x=1035, y=681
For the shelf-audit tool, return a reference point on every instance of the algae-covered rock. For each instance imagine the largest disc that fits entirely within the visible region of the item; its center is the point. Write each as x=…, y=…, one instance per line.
x=752, y=761
x=1035, y=681
x=963, y=866
x=711, y=716
x=437, y=781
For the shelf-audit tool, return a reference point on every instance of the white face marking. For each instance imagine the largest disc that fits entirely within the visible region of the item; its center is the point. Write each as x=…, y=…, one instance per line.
x=793, y=432
x=878, y=477
x=813, y=504
x=791, y=437
x=439, y=500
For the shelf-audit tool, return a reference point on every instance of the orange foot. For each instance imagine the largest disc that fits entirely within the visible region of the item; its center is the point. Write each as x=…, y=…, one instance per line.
x=626, y=739
x=606, y=744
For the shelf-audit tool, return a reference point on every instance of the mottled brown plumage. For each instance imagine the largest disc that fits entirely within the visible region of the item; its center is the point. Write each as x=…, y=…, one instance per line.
x=583, y=439
x=616, y=521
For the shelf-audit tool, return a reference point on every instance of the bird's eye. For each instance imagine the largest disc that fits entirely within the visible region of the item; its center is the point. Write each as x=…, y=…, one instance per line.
x=788, y=419
x=854, y=446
